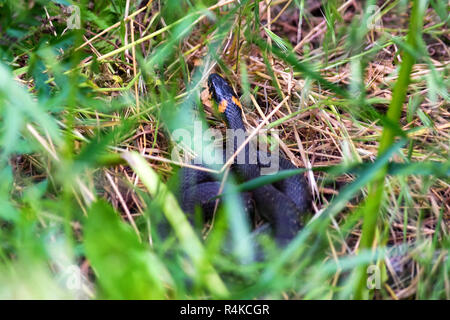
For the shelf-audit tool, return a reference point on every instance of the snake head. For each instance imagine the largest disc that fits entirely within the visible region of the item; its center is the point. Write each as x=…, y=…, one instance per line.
x=227, y=101
x=222, y=93
x=219, y=88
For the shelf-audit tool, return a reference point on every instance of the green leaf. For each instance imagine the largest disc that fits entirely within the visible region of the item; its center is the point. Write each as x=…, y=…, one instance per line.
x=279, y=42
x=126, y=269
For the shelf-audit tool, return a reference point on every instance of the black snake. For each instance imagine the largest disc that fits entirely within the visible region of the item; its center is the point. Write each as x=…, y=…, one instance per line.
x=281, y=204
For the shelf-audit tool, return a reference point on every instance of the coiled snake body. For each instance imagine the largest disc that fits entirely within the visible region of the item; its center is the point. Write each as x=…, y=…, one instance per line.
x=281, y=204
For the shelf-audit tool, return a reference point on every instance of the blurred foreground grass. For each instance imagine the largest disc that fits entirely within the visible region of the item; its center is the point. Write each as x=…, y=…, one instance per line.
x=87, y=178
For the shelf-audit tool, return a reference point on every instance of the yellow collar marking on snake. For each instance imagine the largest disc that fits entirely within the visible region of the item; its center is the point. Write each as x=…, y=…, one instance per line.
x=223, y=106
x=236, y=101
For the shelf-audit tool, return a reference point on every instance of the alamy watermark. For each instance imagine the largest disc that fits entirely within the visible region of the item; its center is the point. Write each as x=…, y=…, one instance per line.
x=72, y=278
x=374, y=18
x=373, y=277
x=74, y=21
x=212, y=149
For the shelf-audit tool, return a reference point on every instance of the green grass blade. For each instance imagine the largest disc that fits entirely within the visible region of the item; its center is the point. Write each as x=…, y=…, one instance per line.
x=375, y=196
x=186, y=235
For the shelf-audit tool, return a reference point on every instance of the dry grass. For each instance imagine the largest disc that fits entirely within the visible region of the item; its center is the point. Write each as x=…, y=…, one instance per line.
x=325, y=134
x=316, y=127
